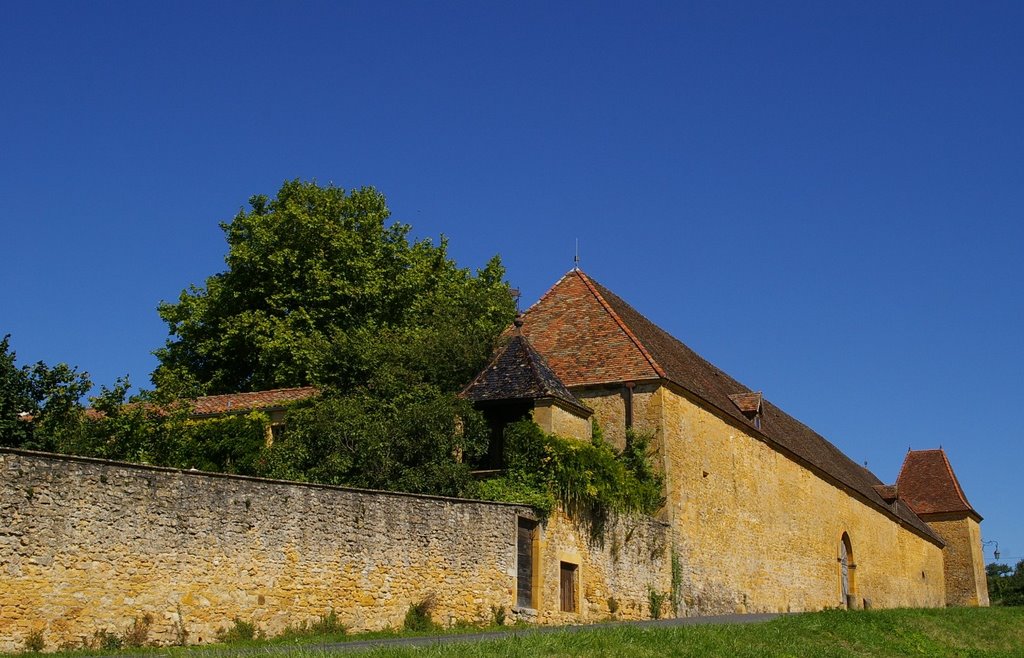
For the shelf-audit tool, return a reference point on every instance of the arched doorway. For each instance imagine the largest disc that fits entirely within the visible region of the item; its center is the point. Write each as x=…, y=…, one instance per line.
x=846, y=566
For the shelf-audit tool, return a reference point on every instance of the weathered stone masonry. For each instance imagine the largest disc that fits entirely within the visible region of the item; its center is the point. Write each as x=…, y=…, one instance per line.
x=87, y=545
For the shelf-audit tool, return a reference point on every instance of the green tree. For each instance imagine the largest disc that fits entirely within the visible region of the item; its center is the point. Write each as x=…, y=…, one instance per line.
x=422, y=443
x=320, y=289
x=1005, y=584
x=38, y=403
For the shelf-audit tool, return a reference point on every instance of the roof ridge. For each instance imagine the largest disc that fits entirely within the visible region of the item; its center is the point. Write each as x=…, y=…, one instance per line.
x=620, y=322
x=533, y=355
x=265, y=390
x=548, y=292
x=956, y=483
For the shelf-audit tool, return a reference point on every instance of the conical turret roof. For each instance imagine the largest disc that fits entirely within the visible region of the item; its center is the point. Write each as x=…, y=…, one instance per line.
x=519, y=372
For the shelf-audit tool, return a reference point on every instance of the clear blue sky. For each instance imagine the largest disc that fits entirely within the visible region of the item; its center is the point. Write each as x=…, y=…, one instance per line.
x=824, y=199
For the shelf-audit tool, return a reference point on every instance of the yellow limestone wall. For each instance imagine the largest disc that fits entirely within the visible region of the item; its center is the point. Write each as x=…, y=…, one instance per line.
x=630, y=558
x=609, y=405
x=966, y=581
x=555, y=420
x=756, y=532
x=88, y=545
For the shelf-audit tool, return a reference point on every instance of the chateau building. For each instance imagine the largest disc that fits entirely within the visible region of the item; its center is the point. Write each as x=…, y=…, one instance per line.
x=761, y=514
x=764, y=513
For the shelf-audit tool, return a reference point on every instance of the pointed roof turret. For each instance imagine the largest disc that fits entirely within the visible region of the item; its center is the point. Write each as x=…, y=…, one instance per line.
x=519, y=372
x=928, y=484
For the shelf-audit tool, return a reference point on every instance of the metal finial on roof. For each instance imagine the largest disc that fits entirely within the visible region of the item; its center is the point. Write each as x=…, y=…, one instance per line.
x=576, y=257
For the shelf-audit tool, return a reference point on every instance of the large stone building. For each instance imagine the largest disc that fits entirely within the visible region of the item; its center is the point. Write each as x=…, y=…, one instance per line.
x=764, y=513
x=761, y=515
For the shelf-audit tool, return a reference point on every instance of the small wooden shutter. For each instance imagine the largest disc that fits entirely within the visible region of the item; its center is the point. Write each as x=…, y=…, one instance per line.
x=524, y=563
x=568, y=587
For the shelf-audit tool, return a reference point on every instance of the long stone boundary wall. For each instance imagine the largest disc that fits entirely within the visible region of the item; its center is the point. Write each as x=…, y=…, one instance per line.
x=88, y=546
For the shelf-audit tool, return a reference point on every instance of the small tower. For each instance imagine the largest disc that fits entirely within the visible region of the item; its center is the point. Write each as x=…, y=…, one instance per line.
x=519, y=384
x=927, y=483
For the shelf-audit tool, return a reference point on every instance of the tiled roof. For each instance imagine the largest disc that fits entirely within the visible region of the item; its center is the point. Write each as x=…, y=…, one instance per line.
x=235, y=402
x=748, y=403
x=590, y=336
x=888, y=492
x=929, y=486
x=518, y=372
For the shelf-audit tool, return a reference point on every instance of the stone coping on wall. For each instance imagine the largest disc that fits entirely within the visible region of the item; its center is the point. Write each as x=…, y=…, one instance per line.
x=248, y=478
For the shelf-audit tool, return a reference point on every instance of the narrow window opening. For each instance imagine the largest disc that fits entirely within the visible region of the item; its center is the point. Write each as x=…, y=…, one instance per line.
x=524, y=563
x=628, y=400
x=568, y=586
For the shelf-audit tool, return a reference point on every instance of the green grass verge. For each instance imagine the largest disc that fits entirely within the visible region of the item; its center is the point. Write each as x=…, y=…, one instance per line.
x=960, y=632
x=932, y=633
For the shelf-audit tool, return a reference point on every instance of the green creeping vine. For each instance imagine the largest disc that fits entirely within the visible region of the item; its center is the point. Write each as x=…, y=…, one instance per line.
x=590, y=480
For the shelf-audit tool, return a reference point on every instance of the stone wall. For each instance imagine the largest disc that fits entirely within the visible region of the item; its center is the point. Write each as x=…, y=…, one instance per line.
x=88, y=545
x=609, y=405
x=758, y=532
x=554, y=419
x=966, y=581
x=755, y=531
x=615, y=573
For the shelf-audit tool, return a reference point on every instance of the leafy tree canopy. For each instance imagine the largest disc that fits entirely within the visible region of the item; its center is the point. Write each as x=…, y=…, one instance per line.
x=37, y=401
x=321, y=289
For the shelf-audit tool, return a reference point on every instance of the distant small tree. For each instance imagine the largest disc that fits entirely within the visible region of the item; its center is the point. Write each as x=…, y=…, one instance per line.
x=1005, y=584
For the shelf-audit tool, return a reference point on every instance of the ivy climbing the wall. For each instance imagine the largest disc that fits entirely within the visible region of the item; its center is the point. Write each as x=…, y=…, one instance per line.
x=591, y=481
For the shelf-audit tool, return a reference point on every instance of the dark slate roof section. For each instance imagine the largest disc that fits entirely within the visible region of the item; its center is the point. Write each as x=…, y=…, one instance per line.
x=685, y=368
x=929, y=485
x=519, y=372
x=888, y=492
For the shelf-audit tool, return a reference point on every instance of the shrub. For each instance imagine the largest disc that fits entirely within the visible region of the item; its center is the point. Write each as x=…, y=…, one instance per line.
x=35, y=642
x=137, y=634
x=655, y=601
x=326, y=624
x=418, y=616
x=498, y=615
x=106, y=641
x=240, y=631
x=179, y=630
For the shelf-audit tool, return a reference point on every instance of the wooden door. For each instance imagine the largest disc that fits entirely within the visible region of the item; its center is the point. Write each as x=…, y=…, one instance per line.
x=524, y=563
x=568, y=587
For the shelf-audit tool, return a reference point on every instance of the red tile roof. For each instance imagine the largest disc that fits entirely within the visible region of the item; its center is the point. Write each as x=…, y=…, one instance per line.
x=583, y=339
x=590, y=336
x=929, y=486
x=233, y=402
x=748, y=403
